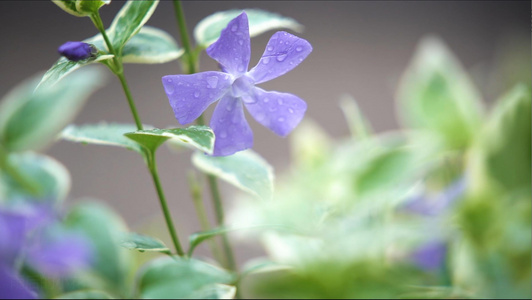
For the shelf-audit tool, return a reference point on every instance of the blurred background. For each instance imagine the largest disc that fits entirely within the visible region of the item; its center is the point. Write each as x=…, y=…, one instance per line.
x=360, y=48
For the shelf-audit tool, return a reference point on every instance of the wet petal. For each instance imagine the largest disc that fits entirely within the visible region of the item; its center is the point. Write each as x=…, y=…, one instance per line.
x=190, y=95
x=283, y=53
x=232, y=50
x=280, y=112
x=230, y=127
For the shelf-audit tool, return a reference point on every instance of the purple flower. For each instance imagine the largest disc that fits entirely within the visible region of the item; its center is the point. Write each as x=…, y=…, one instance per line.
x=430, y=256
x=76, y=51
x=190, y=95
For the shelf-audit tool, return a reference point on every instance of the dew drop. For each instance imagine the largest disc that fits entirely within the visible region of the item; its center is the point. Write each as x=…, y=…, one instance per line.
x=212, y=82
x=260, y=117
x=169, y=80
x=265, y=60
x=287, y=43
x=291, y=62
x=241, y=42
x=196, y=94
x=223, y=134
x=280, y=101
x=234, y=28
x=281, y=57
x=240, y=68
x=266, y=100
x=290, y=110
x=270, y=48
x=281, y=119
x=299, y=48
x=229, y=108
x=169, y=88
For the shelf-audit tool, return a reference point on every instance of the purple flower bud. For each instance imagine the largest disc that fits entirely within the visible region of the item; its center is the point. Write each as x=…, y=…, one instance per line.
x=76, y=51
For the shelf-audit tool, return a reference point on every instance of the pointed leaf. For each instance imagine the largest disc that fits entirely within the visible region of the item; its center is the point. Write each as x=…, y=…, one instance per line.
x=70, y=7
x=29, y=120
x=197, y=238
x=102, y=134
x=135, y=241
x=245, y=170
x=198, y=137
x=91, y=6
x=174, y=277
x=208, y=30
x=437, y=95
x=129, y=21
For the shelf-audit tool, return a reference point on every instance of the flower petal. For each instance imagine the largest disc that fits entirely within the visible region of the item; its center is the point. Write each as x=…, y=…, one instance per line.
x=283, y=53
x=230, y=127
x=280, y=112
x=13, y=286
x=190, y=95
x=232, y=50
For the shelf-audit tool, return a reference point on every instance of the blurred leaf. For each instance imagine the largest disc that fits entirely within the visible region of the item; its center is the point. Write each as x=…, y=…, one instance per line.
x=437, y=95
x=358, y=124
x=215, y=291
x=29, y=120
x=104, y=228
x=197, y=238
x=245, y=170
x=174, y=277
x=51, y=178
x=102, y=134
x=503, y=156
x=310, y=144
x=85, y=294
x=151, y=46
x=135, y=241
x=197, y=136
x=208, y=30
x=129, y=21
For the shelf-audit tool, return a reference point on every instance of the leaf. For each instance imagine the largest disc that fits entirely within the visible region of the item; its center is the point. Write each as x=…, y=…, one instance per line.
x=91, y=6
x=208, y=30
x=31, y=120
x=104, y=228
x=437, y=95
x=245, y=170
x=70, y=7
x=135, y=241
x=503, y=154
x=151, y=46
x=85, y=294
x=215, y=291
x=50, y=178
x=358, y=125
x=63, y=67
x=174, y=277
x=198, y=137
x=129, y=21
x=197, y=238
x=102, y=134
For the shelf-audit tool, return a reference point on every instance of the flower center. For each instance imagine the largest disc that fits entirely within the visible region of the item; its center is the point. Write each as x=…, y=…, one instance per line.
x=242, y=86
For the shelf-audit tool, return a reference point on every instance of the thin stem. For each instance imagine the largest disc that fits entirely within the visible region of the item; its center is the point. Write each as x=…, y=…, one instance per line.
x=152, y=166
x=185, y=40
x=130, y=101
x=197, y=197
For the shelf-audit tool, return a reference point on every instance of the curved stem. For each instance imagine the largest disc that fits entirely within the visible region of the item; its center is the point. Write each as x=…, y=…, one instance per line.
x=185, y=40
x=152, y=166
x=130, y=101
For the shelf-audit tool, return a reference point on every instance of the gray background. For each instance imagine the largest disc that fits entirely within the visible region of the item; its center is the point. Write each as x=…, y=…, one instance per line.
x=360, y=48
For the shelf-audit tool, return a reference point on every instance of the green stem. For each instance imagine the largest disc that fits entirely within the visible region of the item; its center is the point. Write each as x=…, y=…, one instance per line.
x=213, y=185
x=132, y=106
x=152, y=166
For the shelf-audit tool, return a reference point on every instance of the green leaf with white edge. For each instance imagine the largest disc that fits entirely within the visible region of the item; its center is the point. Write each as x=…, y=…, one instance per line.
x=63, y=67
x=30, y=119
x=85, y=294
x=245, y=170
x=151, y=46
x=197, y=238
x=177, y=278
x=214, y=291
x=502, y=156
x=111, y=134
x=437, y=95
x=208, y=30
x=70, y=7
x=129, y=21
x=104, y=228
x=135, y=241
x=197, y=136
x=49, y=177
x=90, y=6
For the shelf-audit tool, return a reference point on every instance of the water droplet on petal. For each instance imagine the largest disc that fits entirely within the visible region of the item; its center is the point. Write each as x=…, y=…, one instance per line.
x=265, y=60
x=196, y=94
x=280, y=101
x=229, y=107
x=169, y=88
x=299, y=48
x=234, y=28
x=273, y=108
x=212, y=82
x=281, y=57
x=169, y=80
x=270, y=48
x=223, y=134
x=260, y=117
x=241, y=42
x=287, y=43
x=290, y=110
x=240, y=68
x=291, y=62
x=281, y=119
x=266, y=100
